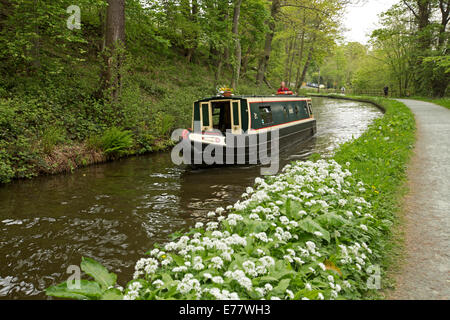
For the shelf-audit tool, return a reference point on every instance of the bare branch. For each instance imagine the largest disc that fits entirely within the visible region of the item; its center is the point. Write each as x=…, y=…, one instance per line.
x=410, y=8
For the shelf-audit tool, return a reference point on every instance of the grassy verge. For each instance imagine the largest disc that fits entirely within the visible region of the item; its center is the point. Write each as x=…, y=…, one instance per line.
x=380, y=157
x=445, y=102
x=320, y=230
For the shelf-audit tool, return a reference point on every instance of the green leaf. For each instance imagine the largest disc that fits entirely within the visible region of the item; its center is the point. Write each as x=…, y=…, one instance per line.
x=332, y=219
x=166, y=278
x=112, y=294
x=249, y=248
x=87, y=290
x=59, y=292
x=288, y=207
x=311, y=226
x=291, y=208
x=98, y=272
x=282, y=286
x=311, y=295
x=268, y=279
x=179, y=260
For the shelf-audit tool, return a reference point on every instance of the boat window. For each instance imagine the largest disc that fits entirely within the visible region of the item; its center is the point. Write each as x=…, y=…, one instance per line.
x=306, y=109
x=236, y=113
x=292, y=110
x=266, y=115
x=296, y=110
x=309, y=109
x=286, y=112
x=205, y=114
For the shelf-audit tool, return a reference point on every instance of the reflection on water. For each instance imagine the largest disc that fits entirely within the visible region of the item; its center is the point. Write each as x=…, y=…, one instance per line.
x=114, y=212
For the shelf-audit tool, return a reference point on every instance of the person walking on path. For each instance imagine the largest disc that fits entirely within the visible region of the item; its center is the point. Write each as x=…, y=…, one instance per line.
x=425, y=273
x=386, y=91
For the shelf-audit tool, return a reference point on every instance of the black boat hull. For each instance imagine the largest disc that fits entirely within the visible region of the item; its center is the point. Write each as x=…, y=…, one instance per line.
x=255, y=148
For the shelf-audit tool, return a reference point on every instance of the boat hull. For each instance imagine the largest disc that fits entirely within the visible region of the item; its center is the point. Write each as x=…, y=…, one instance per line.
x=258, y=147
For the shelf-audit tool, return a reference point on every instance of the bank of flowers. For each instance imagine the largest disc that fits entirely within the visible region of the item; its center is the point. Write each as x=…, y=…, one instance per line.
x=318, y=230
x=302, y=234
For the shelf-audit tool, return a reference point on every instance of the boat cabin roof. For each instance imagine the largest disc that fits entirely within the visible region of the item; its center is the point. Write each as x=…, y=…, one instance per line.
x=257, y=98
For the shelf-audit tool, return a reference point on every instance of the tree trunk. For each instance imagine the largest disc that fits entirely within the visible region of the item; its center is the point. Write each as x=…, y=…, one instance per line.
x=218, y=72
x=237, y=45
x=193, y=17
x=291, y=63
x=288, y=48
x=308, y=60
x=114, y=40
x=263, y=62
x=115, y=23
x=444, y=6
x=221, y=55
x=297, y=77
x=422, y=13
x=245, y=61
x=305, y=68
x=423, y=19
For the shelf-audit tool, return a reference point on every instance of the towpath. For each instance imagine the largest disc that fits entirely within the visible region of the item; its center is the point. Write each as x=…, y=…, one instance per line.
x=425, y=273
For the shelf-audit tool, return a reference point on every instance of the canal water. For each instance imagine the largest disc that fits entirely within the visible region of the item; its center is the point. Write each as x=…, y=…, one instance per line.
x=115, y=212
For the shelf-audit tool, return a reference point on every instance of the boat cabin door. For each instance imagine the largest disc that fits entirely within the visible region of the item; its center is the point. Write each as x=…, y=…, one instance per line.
x=225, y=116
x=205, y=116
x=236, y=125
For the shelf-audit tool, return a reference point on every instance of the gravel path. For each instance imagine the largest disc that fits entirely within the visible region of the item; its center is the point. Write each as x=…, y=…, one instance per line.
x=426, y=272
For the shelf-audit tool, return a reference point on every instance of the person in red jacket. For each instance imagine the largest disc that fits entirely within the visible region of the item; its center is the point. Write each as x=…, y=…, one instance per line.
x=283, y=88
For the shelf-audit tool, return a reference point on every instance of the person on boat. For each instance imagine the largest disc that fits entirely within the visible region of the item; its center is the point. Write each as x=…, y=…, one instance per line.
x=283, y=88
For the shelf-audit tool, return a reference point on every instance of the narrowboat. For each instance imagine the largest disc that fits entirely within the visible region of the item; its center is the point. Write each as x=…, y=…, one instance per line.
x=245, y=129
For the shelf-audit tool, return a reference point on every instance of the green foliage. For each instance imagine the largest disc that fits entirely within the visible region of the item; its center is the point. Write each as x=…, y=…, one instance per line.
x=51, y=137
x=87, y=290
x=6, y=169
x=164, y=123
x=102, y=288
x=21, y=44
x=408, y=55
x=146, y=142
x=116, y=142
x=99, y=273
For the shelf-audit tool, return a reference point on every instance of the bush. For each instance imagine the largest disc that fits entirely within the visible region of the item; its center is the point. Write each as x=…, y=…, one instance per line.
x=163, y=124
x=51, y=137
x=6, y=171
x=146, y=142
x=116, y=142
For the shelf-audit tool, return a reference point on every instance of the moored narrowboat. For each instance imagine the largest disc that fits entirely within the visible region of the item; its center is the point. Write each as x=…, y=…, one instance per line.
x=246, y=129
